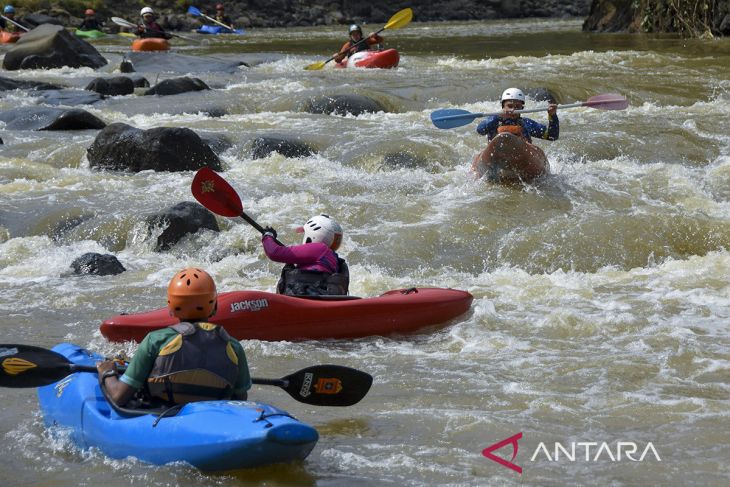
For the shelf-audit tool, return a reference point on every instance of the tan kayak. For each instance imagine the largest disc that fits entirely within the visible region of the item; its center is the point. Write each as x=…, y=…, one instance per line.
x=510, y=159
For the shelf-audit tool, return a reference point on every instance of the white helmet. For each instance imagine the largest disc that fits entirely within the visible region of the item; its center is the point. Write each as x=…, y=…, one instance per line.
x=513, y=94
x=146, y=10
x=322, y=228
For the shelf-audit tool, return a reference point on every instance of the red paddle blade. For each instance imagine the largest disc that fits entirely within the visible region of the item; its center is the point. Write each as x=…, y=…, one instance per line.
x=214, y=192
x=607, y=101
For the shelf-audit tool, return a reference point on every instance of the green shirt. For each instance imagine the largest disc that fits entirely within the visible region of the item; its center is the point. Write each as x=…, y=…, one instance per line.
x=141, y=365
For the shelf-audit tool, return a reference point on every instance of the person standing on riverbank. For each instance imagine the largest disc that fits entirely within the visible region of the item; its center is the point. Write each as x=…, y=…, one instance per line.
x=356, y=43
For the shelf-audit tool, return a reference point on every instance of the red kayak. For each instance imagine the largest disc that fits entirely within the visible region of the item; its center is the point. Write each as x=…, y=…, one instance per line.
x=372, y=59
x=260, y=315
x=9, y=37
x=510, y=159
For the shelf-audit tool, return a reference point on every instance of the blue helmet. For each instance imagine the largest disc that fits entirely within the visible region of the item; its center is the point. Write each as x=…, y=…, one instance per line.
x=9, y=9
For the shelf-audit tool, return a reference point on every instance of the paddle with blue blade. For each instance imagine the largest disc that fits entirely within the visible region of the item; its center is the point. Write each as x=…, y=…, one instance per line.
x=398, y=20
x=450, y=118
x=318, y=385
x=195, y=12
x=214, y=192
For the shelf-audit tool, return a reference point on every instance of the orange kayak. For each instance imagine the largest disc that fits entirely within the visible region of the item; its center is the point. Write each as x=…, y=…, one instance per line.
x=510, y=159
x=9, y=37
x=258, y=315
x=150, y=44
x=386, y=59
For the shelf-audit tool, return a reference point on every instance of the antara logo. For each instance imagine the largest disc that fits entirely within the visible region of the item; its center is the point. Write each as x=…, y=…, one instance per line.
x=249, y=305
x=589, y=451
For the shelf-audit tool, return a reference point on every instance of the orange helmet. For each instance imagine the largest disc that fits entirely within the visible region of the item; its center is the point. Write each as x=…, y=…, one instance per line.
x=89, y=12
x=220, y=7
x=191, y=294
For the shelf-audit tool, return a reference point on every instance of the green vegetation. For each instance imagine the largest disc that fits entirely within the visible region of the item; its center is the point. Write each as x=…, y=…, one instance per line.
x=75, y=7
x=690, y=18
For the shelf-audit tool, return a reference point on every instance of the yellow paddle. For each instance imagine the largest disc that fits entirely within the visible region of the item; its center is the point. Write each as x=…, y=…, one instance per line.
x=398, y=20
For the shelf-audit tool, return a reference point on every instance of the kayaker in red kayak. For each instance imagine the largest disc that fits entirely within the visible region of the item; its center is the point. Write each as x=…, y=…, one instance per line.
x=149, y=28
x=191, y=361
x=354, y=45
x=514, y=99
x=312, y=268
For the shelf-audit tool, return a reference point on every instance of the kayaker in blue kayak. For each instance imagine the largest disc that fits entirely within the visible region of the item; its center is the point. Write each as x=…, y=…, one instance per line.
x=149, y=28
x=312, y=268
x=191, y=361
x=351, y=46
x=90, y=21
x=220, y=16
x=514, y=99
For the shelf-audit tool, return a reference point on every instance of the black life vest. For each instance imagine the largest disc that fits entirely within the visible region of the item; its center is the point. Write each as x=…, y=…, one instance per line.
x=298, y=282
x=199, y=364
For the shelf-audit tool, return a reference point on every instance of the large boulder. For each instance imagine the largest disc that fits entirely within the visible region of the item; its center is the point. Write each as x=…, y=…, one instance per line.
x=47, y=118
x=180, y=220
x=119, y=85
x=97, y=264
x=176, y=86
x=51, y=46
x=125, y=148
x=38, y=18
x=342, y=105
x=287, y=147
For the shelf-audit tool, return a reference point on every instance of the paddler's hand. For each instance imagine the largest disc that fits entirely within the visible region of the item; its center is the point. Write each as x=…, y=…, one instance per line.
x=552, y=109
x=270, y=232
x=105, y=366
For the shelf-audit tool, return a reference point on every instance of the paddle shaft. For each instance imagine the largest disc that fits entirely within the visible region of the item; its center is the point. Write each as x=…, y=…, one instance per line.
x=364, y=39
x=15, y=23
x=130, y=25
x=258, y=227
x=229, y=27
x=495, y=114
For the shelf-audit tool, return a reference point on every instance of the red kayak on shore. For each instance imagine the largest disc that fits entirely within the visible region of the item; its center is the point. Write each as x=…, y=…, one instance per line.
x=261, y=315
x=510, y=159
x=386, y=59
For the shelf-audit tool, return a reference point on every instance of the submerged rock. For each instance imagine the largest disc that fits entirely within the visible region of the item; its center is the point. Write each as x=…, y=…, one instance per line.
x=176, y=86
x=118, y=85
x=122, y=147
x=180, y=220
x=47, y=118
x=97, y=264
x=12, y=84
x=342, y=105
x=263, y=146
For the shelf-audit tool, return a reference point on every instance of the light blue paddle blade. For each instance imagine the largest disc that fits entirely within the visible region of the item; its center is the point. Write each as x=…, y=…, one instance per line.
x=193, y=11
x=450, y=118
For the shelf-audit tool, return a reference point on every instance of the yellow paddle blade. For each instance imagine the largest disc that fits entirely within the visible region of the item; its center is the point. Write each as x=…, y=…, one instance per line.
x=316, y=66
x=400, y=19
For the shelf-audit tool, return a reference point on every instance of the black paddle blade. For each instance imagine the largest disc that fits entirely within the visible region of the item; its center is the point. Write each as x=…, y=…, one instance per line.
x=28, y=366
x=328, y=385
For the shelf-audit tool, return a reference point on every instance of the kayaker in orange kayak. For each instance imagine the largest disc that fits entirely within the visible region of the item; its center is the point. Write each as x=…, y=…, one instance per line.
x=312, y=268
x=149, y=28
x=354, y=45
x=8, y=25
x=514, y=99
x=191, y=361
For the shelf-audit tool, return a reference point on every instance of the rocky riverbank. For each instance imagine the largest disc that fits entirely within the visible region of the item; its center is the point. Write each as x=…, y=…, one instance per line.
x=290, y=13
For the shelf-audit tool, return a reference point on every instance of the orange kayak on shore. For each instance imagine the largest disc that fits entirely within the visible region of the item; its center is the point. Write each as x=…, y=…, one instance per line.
x=9, y=37
x=151, y=44
x=510, y=159
x=258, y=315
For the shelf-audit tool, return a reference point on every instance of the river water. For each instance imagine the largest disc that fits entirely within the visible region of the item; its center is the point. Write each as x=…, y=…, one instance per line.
x=601, y=292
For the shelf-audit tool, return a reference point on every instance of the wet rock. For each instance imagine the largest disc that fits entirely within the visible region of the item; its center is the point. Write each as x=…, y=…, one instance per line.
x=342, y=105
x=126, y=66
x=141, y=82
x=176, y=86
x=66, y=224
x=12, y=84
x=51, y=46
x=263, y=146
x=47, y=118
x=122, y=147
x=36, y=19
x=70, y=97
x=180, y=220
x=541, y=94
x=219, y=143
x=119, y=85
x=97, y=264
x=406, y=160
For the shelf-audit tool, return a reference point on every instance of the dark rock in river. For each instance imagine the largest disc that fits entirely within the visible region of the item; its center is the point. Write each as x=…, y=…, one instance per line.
x=342, y=105
x=97, y=264
x=141, y=82
x=219, y=143
x=180, y=220
x=125, y=148
x=119, y=85
x=287, y=147
x=12, y=84
x=51, y=46
x=396, y=160
x=176, y=86
x=47, y=118
x=541, y=94
x=36, y=19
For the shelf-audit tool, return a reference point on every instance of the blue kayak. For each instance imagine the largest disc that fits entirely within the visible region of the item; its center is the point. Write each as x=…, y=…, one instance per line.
x=219, y=29
x=210, y=435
